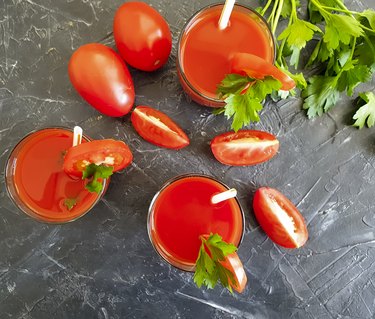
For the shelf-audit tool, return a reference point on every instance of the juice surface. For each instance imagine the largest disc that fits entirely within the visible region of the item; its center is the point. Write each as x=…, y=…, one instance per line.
x=206, y=50
x=183, y=212
x=40, y=181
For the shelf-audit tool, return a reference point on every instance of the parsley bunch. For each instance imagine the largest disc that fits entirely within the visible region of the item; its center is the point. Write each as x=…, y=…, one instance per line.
x=343, y=50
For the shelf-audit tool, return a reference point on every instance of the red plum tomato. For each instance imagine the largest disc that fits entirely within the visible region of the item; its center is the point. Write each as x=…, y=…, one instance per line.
x=279, y=218
x=108, y=152
x=233, y=263
x=158, y=128
x=102, y=78
x=243, y=148
x=142, y=36
x=258, y=68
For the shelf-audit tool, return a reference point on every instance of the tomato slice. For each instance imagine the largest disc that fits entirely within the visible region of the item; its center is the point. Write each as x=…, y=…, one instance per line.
x=279, y=218
x=157, y=128
x=246, y=147
x=258, y=68
x=108, y=152
x=233, y=263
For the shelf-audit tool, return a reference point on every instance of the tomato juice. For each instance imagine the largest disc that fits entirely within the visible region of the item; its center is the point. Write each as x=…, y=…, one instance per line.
x=182, y=211
x=37, y=182
x=204, y=51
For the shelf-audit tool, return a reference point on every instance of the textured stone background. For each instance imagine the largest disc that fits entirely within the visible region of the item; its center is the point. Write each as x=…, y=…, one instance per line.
x=103, y=265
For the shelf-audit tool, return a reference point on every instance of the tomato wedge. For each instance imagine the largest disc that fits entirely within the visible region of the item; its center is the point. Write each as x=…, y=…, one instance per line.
x=233, y=263
x=279, y=218
x=258, y=68
x=246, y=147
x=157, y=128
x=108, y=152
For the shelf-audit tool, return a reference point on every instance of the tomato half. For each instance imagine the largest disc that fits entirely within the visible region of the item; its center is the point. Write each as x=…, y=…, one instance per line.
x=108, y=152
x=246, y=147
x=258, y=68
x=279, y=218
x=158, y=128
x=233, y=263
x=142, y=36
x=102, y=79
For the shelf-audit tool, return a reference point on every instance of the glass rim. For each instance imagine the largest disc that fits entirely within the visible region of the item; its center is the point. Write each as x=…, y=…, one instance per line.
x=179, y=64
x=181, y=265
x=31, y=212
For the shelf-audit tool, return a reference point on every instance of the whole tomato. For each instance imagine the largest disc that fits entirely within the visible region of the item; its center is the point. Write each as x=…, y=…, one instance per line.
x=142, y=36
x=102, y=79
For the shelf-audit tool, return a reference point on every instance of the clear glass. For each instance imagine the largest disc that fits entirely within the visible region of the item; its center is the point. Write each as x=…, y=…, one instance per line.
x=152, y=232
x=193, y=92
x=11, y=186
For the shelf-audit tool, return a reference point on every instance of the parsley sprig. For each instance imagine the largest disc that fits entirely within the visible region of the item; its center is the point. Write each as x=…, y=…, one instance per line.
x=344, y=49
x=243, y=96
x=208, y=267
x=343, y=52
x=96, y=173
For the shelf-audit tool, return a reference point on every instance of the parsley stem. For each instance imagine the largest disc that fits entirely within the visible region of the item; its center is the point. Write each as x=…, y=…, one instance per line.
x=266, y=7
x=340, y=10
x=320, y=7
x=272, y=15
x=277, y=17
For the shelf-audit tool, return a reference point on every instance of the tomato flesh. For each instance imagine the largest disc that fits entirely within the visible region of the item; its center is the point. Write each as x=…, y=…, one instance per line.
x=158, y=128
x=246, y=147
x=233, y=263
x=108, y=152
x=102, y=79
x=258, y=68
x=279, y=218
x=142, y=36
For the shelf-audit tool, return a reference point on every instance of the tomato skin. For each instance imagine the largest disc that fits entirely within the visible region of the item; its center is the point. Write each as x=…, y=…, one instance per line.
x=142, y=36
x=233, y=263
x=158, y=128
x=246, y=147
x=102, y=79
x=256, y=67
x=264, y=198
x=96, y=152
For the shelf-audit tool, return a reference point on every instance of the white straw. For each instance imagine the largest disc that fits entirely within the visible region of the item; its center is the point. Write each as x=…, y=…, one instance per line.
x=77, y=135
x=225, y=14
x=223, y=196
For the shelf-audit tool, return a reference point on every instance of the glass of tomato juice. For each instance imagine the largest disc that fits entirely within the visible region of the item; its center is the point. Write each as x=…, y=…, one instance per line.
x=37, y=183
x=182, y=211
x=204, y=51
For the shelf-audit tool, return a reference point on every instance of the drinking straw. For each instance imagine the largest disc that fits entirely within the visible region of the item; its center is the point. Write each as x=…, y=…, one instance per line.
x=225, y=14
x=77, y=135
x=230, y=193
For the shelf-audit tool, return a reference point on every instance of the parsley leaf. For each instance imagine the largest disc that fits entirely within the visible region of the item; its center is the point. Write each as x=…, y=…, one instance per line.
x=243, y=108
x=232, y=84
x=96, y=173
x=351, y=75
x=320, y=95
x=70, y=203
x=340, y=28
x=297, y=35
x=208, y=267
x=366, y=113
x=369, y=14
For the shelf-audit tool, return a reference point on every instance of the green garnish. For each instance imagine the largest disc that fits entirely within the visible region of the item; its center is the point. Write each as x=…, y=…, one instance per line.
x=97, y=173
x=343, y=43
x=208, y=269
x=70, y=203
x=244, y=106
x=366, y=111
